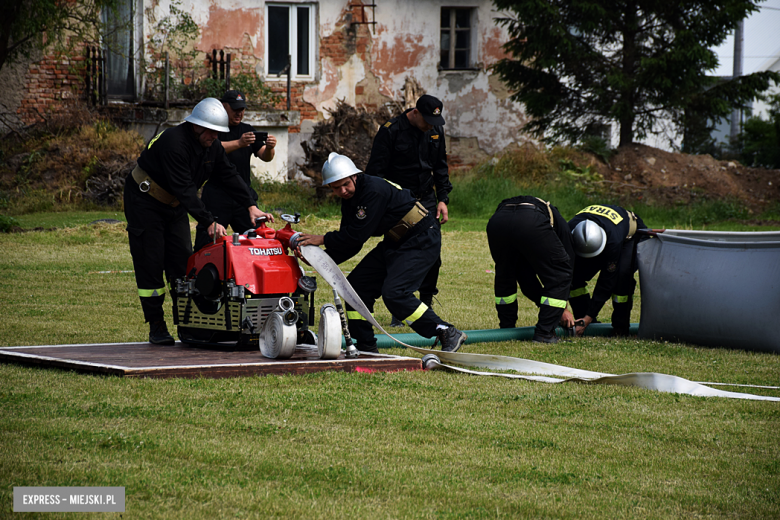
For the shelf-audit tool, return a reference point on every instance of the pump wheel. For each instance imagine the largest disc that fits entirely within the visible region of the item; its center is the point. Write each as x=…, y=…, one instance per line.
x=329, y=337
x=277, y=341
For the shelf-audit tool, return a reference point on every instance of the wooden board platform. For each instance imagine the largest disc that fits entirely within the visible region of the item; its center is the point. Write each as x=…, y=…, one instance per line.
x=147, y=360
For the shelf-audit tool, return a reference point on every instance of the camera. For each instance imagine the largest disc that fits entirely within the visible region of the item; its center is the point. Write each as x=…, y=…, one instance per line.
x=261, y=137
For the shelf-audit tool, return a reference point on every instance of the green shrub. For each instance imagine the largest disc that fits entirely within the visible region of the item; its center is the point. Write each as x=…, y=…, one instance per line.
x=598, y=146
x=256, y=92
x=6, y=223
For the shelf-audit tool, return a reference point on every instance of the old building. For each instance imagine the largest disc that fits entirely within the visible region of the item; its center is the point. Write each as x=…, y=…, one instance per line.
x=338, y=50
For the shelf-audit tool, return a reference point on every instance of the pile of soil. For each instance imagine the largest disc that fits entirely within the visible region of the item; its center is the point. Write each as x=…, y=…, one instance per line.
x=659, y=177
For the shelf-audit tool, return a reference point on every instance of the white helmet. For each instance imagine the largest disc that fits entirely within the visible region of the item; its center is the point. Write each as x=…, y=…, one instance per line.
x=589, y=239
x=209, y=113
x=337, y=167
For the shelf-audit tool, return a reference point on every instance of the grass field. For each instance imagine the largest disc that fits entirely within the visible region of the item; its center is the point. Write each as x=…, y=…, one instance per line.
x=401, y=445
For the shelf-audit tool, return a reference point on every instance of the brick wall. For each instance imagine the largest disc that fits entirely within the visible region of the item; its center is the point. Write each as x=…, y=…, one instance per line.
x=51, y=85
x=339, y=46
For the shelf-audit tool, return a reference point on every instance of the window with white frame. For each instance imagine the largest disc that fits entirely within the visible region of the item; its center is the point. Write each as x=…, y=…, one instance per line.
x=456, y=37
x=290, y=31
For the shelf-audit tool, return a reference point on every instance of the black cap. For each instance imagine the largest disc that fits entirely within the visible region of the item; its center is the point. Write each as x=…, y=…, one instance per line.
x=430, y=108
x=235, y=99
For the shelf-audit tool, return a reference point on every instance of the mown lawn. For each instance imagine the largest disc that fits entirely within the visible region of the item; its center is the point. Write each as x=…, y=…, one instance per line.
x=398, y=445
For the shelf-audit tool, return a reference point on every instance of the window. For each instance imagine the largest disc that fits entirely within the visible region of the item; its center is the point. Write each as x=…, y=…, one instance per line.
x=118, y=40
x=289, y=32
x=456, y=37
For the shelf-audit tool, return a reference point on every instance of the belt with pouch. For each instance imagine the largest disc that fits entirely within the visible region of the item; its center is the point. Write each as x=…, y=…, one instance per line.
x=411, y=219
x=147, y=185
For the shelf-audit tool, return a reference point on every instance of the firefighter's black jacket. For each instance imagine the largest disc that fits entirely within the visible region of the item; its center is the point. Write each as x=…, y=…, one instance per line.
x=241, y=158
x=559, y=223
x=402, y=153
x=375, y=208
x=615, y=222
x=177, y=162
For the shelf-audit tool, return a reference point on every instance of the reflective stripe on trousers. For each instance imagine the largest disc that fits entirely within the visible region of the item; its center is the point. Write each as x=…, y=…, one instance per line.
x=150, y=293
x=506, y=300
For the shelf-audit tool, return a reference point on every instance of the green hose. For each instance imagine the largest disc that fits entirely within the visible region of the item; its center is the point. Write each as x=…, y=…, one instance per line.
x=490, y=335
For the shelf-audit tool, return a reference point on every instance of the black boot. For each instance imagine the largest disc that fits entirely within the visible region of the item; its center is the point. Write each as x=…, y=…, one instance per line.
x=368, y=348
x=618, y=332
x=542, y=337
x=451, y=339
x=158, y=333
x=395, y=322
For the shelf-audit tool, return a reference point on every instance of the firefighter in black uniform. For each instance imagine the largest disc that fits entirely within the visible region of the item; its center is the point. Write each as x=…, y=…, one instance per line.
x=240, y=143
x=159, y=194
x=409, y=150
x=531, y=245
x=604, y=240
x=372, y=206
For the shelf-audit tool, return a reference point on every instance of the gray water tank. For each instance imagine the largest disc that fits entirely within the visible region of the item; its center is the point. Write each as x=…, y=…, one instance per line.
x=719, y=289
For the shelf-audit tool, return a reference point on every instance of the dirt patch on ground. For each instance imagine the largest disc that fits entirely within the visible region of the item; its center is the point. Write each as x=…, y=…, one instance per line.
x=660, y=177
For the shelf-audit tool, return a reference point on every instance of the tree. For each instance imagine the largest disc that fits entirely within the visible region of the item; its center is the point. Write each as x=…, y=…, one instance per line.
x=577, y=65
x=760, y=138
x=26, y=25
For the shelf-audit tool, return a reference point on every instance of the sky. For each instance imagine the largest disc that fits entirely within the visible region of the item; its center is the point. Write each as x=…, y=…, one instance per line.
x=761, y=41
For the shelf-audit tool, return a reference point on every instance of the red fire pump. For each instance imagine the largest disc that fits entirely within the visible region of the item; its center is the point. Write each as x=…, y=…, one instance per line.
x=245, y=291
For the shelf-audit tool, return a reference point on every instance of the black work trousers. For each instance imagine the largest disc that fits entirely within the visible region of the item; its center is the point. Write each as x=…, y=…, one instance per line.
x=528, y=252
x=394, y=272
x=428, y=287
x=160, y=243
x=226, y=211
x=622, y=293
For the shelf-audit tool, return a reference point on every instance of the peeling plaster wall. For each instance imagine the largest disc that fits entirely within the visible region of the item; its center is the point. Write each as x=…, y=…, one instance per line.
x=365, y=67
x=476, y=104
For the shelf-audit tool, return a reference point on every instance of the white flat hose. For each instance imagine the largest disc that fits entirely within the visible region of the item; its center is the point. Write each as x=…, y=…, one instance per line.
x=646, y=380
x=329, y=271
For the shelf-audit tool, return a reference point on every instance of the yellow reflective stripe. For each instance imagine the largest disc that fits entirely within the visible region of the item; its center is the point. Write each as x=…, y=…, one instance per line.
x=148, y=293
x=506, y=300
x=604, y=211
x=155, y=138
x=355, y=315
x=621, y=299
x=394, y=184
x=552, y=302
x=416, y=314
x=578, y=292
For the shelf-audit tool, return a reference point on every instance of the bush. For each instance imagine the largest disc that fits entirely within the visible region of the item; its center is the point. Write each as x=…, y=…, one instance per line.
x=7, y=223
x=598, y=146
x=760, y=138
x=761, y=143
x=257, y=93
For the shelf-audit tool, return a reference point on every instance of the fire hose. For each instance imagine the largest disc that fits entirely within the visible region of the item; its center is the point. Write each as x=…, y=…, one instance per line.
x=544, y=372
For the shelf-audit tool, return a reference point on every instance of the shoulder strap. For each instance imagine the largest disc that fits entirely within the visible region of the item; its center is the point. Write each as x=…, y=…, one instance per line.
x=549, y=210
